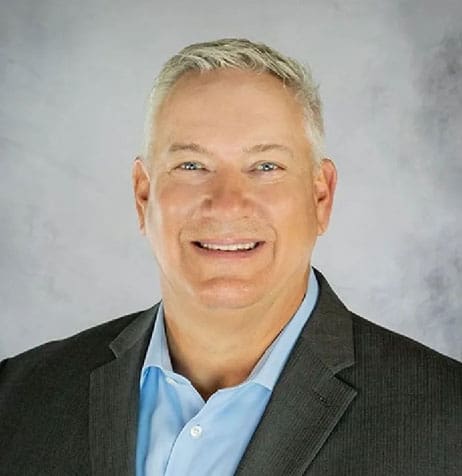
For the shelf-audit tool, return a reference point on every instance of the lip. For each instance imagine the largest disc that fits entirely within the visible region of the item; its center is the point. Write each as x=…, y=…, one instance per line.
x=229, y=255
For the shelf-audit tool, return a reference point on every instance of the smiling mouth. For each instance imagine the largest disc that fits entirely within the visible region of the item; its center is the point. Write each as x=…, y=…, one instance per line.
x=228, y=248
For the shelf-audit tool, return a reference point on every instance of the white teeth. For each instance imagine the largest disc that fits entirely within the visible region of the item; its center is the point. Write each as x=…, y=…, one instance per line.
x=238, y=246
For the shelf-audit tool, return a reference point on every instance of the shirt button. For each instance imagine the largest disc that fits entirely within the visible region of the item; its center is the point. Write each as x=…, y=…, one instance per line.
x=196, y=431
x=170, y=380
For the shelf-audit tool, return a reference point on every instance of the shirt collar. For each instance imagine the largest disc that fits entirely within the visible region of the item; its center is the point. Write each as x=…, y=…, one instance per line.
x=270, y=364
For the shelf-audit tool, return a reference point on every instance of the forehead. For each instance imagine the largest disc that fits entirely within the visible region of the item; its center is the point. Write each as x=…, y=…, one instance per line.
x=229, y=104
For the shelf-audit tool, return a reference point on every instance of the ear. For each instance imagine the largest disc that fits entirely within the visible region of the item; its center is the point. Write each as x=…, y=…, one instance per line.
x=324, y=183
x=141, y=183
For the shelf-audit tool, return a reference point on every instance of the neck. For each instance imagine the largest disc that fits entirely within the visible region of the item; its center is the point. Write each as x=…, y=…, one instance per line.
x=219, y=348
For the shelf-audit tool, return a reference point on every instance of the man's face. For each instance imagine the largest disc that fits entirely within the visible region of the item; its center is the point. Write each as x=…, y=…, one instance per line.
x=230, y=165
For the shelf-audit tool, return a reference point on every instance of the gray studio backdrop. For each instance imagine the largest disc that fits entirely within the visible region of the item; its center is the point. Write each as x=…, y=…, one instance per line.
x=74, y=77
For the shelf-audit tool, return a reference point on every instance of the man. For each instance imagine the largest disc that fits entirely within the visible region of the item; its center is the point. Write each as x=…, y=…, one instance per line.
x=250, y=364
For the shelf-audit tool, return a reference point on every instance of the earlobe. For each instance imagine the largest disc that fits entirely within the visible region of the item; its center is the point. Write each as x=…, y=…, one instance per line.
x=141, y=186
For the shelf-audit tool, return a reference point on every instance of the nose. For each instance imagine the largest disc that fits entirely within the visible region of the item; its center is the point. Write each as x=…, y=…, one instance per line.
x=229, y=195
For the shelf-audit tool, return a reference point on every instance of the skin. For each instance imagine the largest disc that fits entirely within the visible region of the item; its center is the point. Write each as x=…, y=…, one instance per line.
x=230, y=159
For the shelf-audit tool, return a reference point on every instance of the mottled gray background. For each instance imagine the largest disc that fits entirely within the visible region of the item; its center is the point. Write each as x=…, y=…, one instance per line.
x=74, y=77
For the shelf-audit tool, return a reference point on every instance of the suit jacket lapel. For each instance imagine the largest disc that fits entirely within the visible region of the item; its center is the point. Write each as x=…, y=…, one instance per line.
x=308, y=399
x=114, y=395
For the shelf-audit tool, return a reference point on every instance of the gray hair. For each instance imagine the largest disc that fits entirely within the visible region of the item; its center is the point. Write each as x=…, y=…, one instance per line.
x=249, y=56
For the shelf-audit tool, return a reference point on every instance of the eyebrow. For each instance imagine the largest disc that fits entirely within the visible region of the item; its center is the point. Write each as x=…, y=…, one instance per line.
x=189, y=147
x=268, y=147
x=198, y=149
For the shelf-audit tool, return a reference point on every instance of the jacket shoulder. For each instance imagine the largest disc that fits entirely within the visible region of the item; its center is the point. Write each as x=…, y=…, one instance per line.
x=86, y=349
x=404, y=362
x=375, y=333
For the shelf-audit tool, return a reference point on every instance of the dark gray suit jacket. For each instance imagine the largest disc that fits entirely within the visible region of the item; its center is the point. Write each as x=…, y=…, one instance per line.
x=353, y=399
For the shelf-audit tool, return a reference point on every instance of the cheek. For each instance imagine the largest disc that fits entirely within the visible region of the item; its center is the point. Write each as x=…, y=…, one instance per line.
x=293, y=217
x=170, y=208
x=290, y=204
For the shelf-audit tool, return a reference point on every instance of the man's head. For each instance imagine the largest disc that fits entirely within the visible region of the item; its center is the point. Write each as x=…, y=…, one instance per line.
x=232, y=158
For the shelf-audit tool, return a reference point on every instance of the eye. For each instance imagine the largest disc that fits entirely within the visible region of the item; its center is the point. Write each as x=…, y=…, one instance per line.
x=190, y=165
x=267, y=166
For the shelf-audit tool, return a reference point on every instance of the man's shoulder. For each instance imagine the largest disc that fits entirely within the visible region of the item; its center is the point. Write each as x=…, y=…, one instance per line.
x=383, y=351
x=86, y=349
x=376, y=348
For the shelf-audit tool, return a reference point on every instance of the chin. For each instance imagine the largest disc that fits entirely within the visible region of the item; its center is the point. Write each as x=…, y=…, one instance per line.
x=226, y=295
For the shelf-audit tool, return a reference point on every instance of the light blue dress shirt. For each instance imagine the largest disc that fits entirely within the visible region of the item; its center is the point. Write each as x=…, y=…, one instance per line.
x=178, y=433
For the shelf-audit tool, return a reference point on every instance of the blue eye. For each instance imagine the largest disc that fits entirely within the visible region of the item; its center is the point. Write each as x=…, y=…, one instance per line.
x=268, y=166
x=190, y=166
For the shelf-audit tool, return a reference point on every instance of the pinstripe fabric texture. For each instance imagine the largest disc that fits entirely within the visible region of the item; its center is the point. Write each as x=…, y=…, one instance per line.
x=354, y=399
